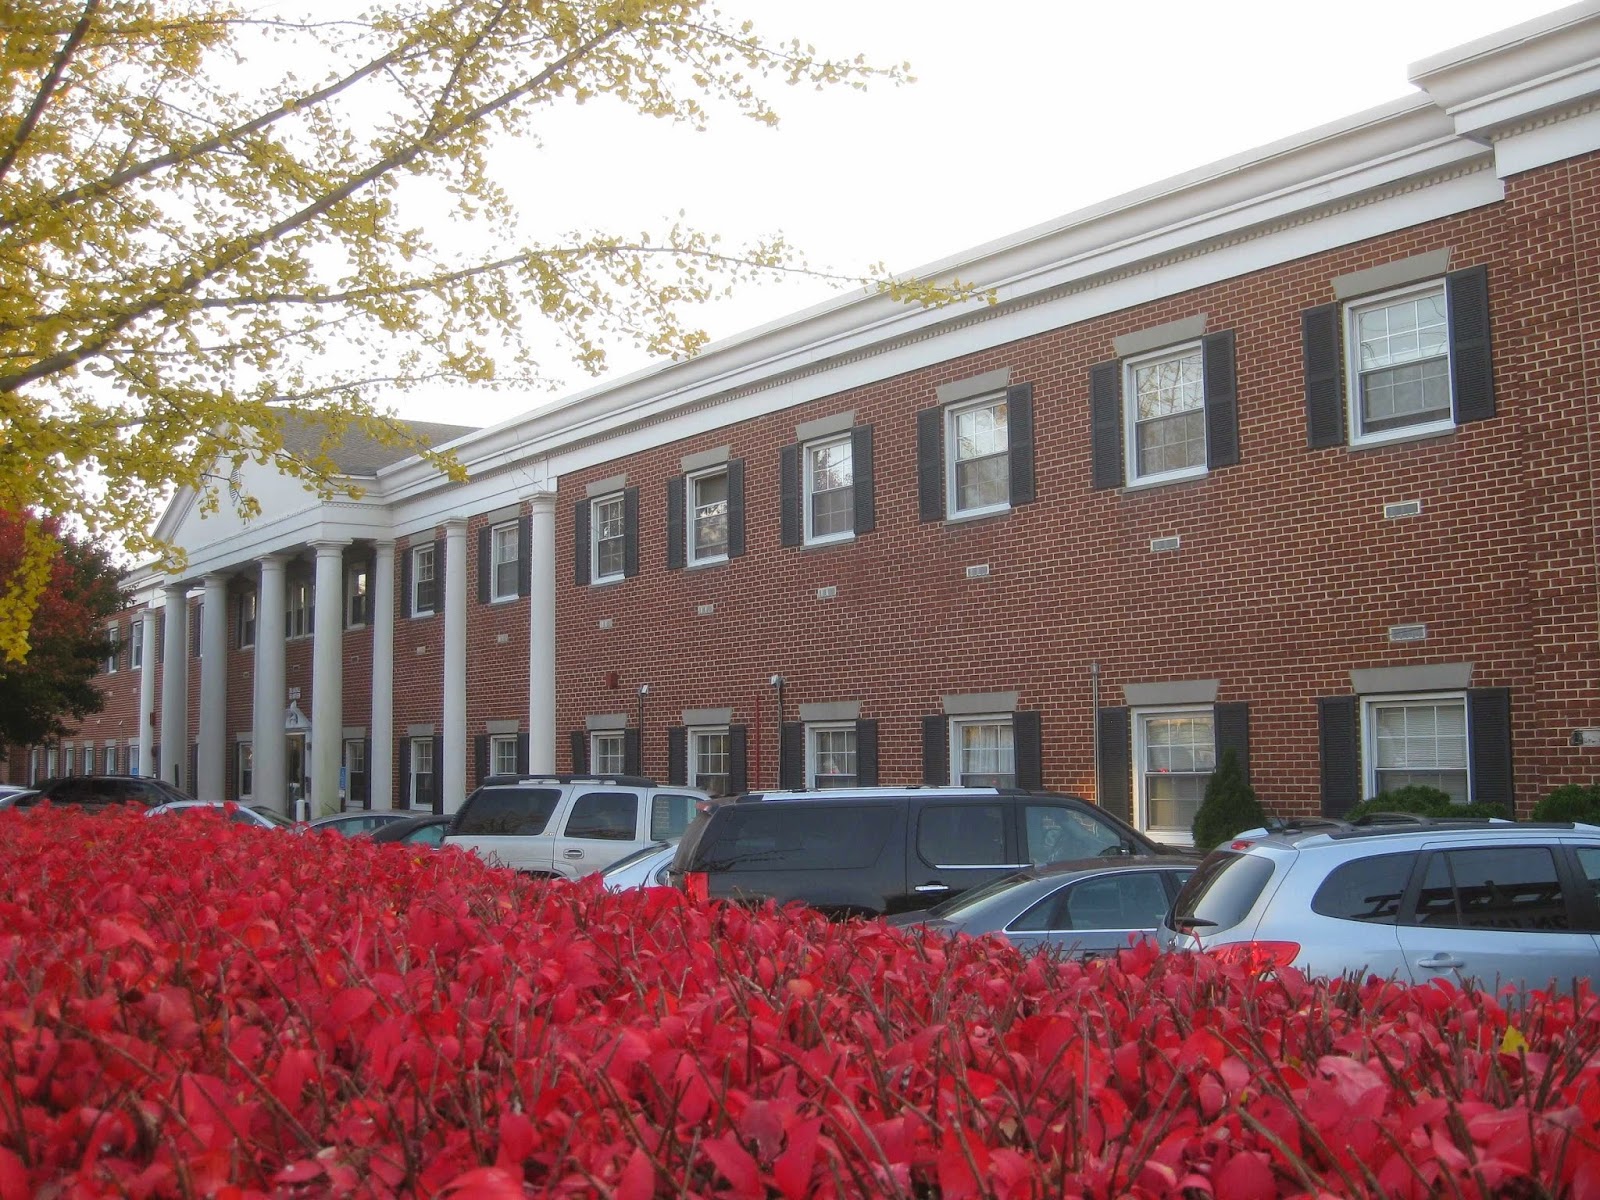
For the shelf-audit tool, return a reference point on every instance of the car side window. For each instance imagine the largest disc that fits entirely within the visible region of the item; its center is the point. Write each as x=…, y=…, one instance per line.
x=507, y=812
x=962, y=835
x=670, y=816
x=605, y=816
x=1589, y=864
x=1131, y=900
x=1365, y=889
x=1058, y=833
x=1512, y=888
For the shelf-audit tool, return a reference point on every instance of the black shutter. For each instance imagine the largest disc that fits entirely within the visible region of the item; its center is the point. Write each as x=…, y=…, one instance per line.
x=437, y=782
x=1019, y=432
x=631, y=764
x=930, y=464
x=522, y=753
x=1324, y=383
x=935, y=751
x=580, y=543
x=789, y=526
x=735, y=507
x=678, y=756
x=867, y=753
x=484, y=551
x=402, y=758
x=193, y=787
x=866, y=509
x=738, y=749
x=1489, y=733
x=230, y=767
x=630, y=532
x=1232, y=732
x=438, y=581
x=1222, y=399
x=1339, y=747
x=677, y=555
x=405, y=584
x=1105, y=424
x=1114, y=787
x=481, y=754
x=580, y=751
x=525, y=556
x=366, y=772
x=1471, y=371
x=792, y=756
x=1028, y=742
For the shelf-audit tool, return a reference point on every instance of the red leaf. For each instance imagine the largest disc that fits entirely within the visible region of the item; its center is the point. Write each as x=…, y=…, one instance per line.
x=963, y=1163
x=485, y=1183
x=638, y=1180
x=736, y=1165
x=352, y=1003
x=1246, y=1176
x=792, y=1169
x=13, y=1177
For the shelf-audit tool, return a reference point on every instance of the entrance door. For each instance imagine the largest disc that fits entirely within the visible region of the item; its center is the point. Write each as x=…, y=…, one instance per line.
x=295, y=762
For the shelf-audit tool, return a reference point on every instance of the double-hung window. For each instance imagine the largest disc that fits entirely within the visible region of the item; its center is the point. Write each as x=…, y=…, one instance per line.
x=1166, y=415
x=114, y=648
x=1166, y=411
x=504, y=562
x=980, y=461
x=983, y=752
x=357, y=602
x=831, y=756
x=1174, y=754
x=608, y=525
x=247, y=620
x=1398, y=369
x=299, y=617
x=709, y=751
x=1416, y=740
x=707, y=517
x=503, y=754
x=975, y=452
x=245, y=780
x=829, y=491
x=420, y=779
x=606, y=753
x=424, y=586
x=135, y=650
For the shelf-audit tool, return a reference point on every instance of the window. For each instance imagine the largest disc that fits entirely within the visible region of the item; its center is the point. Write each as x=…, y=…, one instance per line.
x=135, y=646
x=983, y=752
x=776, y=837
x=507, y=812
x=962, y=835
x=505, y=564
x=1416, y=740
x=421, y=774
x=1130, y=900
x=131, y=760
x=608, y=520
x=298, y=619
x=247, y=620
x=606, y=753
x=114, y=641
x=831, y=756
x=1493, y=888
x=503, y=754
x=605, y=816
x=1174, y=755
x=1398, y=373
x=670, y=815
x=980, y=465
x=707, y=516
x=1058, y=833
x=1365, y=889
x=1166, y=415
x=197, y=629
x=245, y=758
x=708, y=760
x=357, y=608
x=424, y=587
x=829, y=491
x=69, y=764
x=355, y=771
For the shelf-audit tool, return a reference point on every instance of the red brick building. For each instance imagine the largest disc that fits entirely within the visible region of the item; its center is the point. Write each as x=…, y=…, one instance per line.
x=1293, y=454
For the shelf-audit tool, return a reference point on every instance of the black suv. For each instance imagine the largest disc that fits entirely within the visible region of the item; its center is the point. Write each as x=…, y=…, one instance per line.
x=97, y=791
x=871, y=851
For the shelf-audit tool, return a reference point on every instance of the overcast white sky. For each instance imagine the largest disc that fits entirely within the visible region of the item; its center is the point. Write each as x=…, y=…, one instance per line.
x=1024, y=110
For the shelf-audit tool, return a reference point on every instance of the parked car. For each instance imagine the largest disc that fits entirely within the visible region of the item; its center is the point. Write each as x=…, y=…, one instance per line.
x=643, y=868
x=239, y=814
x=1484, y=902
x=97, y=791
x=11, y=793
x=874, y=851
x=357, y=823
x=570, y=825
x=1086, y=908
x=426, y=830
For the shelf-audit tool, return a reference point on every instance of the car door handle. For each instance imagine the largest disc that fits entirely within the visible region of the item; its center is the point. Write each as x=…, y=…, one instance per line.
x=1441, y=962
x=931, y=887
x=573, y=852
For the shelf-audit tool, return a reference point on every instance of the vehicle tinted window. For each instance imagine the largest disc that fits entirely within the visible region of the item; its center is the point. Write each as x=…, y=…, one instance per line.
x=801, y=836
x=1221, y=892
x=506, y=812
x=962, y=835
x=1366, y=889
x=1057, y=833
x=1493, y=887
x=1135, y=900
x=977, y=895
x=606, y=816
x=670, y=816
x=428, y=835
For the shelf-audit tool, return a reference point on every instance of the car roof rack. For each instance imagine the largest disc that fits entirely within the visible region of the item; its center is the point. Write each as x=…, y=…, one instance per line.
x=583, y=777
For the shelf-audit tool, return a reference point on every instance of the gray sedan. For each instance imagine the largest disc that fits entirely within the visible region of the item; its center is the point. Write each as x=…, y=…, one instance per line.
x=1085, y=908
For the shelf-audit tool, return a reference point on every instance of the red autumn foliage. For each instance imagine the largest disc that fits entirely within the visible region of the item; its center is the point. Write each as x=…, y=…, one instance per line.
x=189, y=1008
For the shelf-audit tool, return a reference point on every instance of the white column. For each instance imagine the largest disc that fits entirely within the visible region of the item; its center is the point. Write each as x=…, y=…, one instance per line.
x=175, y=689
x=380, y=759
x=267, y=737
x=147, y=693
x=210, y=782
x=327, y=678
x=542, y=634
x=454, y=768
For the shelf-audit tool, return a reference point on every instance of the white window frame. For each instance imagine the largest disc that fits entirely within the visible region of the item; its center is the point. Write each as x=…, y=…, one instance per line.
x=357, y=589
x=808, y=490
x=136, y=646
x=620, y=500
x=114, y=633
x=697, y=735
x=132, y=758
x=421, y=747
x=600, y=743
x=1352, y=367
x=957, y=724
x=419, y=554
x=50, y=762
x=502, y=754
x=1369, y=732
x=1166, y=834
x=69, y=759
x=692, y=506
x=951, y=492
x=248, y=605
x=1130, y=416
x=504, y=559
x=244, y=770
x=300, y=609
x=813, y=752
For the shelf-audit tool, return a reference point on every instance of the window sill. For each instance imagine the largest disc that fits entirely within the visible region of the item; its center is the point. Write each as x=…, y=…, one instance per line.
x=1161, y=481
x=512, y=599
x=700, y=564
x=847, y=539
x=1402, y=437
x=608, y=581
x=984, y=514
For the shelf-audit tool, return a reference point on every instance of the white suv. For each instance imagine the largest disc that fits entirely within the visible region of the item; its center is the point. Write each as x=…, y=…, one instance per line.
x=569, y=826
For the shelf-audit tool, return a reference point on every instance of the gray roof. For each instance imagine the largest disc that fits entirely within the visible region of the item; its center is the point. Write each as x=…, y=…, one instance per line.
x=358, y=454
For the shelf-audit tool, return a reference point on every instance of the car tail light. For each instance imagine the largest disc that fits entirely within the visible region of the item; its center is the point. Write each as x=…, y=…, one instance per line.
x=697, y=885
x=1258, y=954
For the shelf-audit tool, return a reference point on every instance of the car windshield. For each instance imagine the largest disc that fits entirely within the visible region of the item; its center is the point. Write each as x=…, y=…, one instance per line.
x=628, y=860
x=1221, y=892
x=275, y=818
x=977, y=895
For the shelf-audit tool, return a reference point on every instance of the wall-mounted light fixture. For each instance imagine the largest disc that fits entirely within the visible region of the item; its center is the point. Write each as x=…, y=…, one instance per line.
x=644, y=690
x=777, y=687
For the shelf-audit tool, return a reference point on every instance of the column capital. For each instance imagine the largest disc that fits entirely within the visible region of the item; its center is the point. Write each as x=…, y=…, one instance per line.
x=385, y=543
x=541, y=500
x=455, y=524
x=276, y=558
x=178, y=590
x=215, y=579
x=328, y=547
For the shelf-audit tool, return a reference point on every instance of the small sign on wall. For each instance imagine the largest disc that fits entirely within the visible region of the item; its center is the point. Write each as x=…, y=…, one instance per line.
x=1586, y=737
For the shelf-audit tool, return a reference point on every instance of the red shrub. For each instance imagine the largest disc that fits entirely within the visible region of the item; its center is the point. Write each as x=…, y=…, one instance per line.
x=190, y=1008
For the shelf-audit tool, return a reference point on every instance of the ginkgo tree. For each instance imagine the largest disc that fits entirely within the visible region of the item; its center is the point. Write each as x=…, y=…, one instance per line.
x=194, y=248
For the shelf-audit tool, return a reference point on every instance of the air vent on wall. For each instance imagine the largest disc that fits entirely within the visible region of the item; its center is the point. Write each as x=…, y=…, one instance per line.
x=1161, y=544
x=705, y=610
x=827, y=593
x=1408, y=633
x=1403, y=508
x=981, y=571
x=606, y=622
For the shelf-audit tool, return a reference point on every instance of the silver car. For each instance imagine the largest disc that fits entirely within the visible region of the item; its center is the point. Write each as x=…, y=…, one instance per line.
x=236, y=814
x=1477, y=902
x=1085, y=908
x=642, y=868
